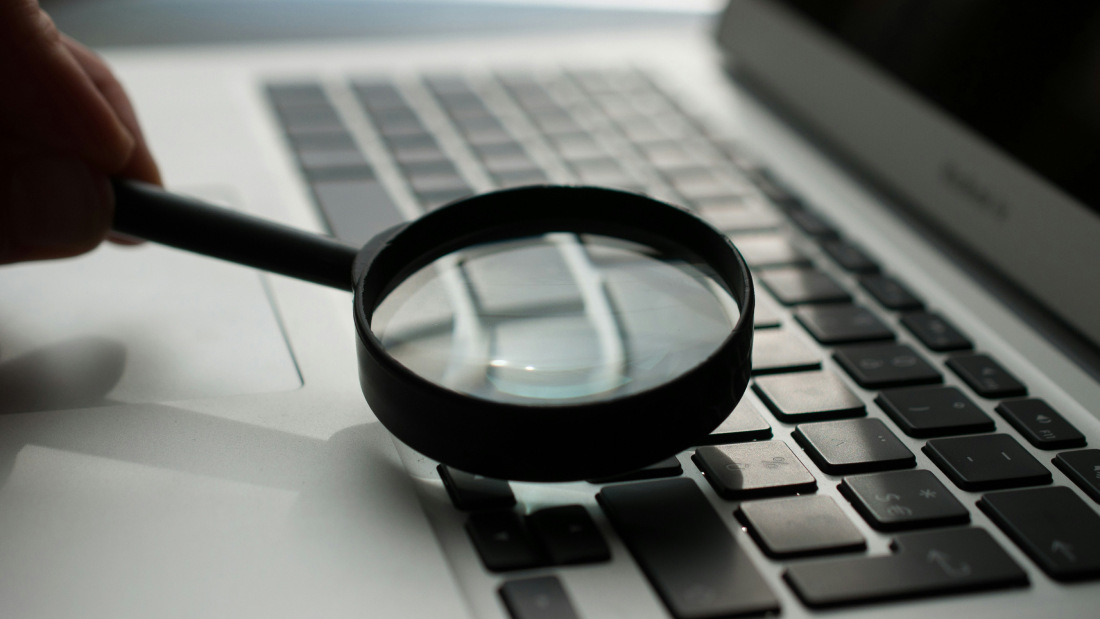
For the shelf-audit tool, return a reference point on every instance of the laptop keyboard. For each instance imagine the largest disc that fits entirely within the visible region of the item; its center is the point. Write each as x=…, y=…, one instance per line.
x=375, y=152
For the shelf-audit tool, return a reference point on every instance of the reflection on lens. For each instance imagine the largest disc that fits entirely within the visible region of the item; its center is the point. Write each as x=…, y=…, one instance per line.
x=556, y=319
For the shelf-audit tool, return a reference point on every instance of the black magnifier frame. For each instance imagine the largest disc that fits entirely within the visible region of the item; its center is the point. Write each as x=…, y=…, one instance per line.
x=543, y=442
x=550, y=442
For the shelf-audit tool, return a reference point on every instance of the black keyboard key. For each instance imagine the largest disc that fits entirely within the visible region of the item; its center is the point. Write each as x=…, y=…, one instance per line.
x=475, y=493
x=669, y=467
x=903, y=500
x=1053, y=526
x=935, y=332
x=890, y=292
x=986, y=377
x=502, y=542
x=754, y=470
x=842, y=324
x=853, y=446
x=1040, y=424
x=986, y=462
x=923, y=564
x=849, y=257
x=686, y=551
x=768, y=250
x=811, y=223
x=924, y=412
x=792, y=286
x=568, y=535
x=1083, y=468
x=886, y=365
x=808, y=396
x=779, y=350
x=537, y=598
x=744, y=424
x=800, y=526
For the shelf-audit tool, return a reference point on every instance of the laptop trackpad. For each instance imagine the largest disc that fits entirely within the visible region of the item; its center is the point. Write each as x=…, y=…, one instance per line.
x=136, y=324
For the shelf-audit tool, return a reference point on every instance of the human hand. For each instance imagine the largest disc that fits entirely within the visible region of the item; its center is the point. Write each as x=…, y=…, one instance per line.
x=66, y=125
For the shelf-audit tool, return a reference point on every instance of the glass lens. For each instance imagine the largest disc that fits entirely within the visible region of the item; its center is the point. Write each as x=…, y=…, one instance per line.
x=556, y=319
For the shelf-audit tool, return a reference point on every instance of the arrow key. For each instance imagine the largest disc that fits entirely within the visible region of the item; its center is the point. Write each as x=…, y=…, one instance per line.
x=502, y=541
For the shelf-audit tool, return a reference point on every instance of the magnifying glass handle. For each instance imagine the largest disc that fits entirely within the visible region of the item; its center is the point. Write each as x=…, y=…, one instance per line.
x=148, y=212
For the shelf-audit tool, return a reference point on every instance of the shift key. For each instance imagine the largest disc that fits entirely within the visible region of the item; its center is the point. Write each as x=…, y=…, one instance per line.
x=686, y=551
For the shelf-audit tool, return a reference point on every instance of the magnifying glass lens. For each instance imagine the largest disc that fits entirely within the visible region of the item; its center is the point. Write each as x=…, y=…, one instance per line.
x=555, y=320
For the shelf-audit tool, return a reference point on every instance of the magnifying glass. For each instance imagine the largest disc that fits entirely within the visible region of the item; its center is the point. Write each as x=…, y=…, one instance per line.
x=543, y=333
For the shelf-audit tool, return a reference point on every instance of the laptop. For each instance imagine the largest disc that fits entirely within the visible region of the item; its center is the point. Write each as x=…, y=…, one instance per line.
x=913, y=188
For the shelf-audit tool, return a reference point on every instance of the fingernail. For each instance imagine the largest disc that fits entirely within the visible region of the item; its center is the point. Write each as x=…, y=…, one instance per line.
x=58, y=206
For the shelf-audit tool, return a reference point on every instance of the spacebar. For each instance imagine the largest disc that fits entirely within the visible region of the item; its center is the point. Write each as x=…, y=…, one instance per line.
x=686, y=551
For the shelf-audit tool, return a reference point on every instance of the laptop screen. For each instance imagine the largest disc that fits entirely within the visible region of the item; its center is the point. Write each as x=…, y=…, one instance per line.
x=1026, y=75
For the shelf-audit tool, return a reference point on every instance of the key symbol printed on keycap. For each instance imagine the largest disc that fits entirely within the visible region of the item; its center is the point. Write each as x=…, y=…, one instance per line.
x=1064, y=549
x=736, y=466
x=699, y=595
x=775, y=462
x=904, y=361
x=1042, y=419
x=928, y=494
x=871, y=364
x=943, y=560
x=887, y=498
x=899, y=510
x=542, y=601
x=502, y=536
x=959, y=405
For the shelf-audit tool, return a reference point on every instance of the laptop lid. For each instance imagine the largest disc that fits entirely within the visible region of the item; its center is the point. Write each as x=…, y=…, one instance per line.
x=983, y=116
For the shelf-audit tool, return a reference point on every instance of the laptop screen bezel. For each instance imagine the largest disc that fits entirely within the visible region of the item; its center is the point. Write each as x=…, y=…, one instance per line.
x=1031, y=232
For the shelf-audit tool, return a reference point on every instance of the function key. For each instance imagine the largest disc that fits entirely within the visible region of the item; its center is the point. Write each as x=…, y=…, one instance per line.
x=986, y=377
x=853, y=446
x=475, y=493
x=1083, y=467
x=886, y=365
x=779, y=350
x=753, y=470
x=842, y=324
x=890, y=292
x=988, y=462
x=502, y=542
x=808, y=396
x=1040, y=424
x=792, y=286
x=669, y=467
x=744, y=424
x=800, y=526
x=903, y=500
x=686, y=551
x=923, y=564
x=811, y=223
x=1053, y=526
x=935, y=332
x=849, y=257
x=934, y=411
x=537, y=598
x=568, y=535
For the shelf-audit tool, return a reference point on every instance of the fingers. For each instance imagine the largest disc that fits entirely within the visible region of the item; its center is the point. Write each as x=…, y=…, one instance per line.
x=49, y=101
x=141, y=165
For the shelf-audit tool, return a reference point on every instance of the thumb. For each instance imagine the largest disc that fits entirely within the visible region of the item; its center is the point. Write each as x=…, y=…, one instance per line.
x=54, y=207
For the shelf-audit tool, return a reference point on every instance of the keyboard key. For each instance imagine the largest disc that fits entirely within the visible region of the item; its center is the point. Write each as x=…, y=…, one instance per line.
x=1083, y=468
x=842, y=324
x=475, y=493
x=753, y=470
x=502, y=542
x=779, y=350
x=568, y=535
x=890, y=292
x=853, y=446
x=743, y=424
x=808, y=396
x=923, y=564
x=737, y=213
x=768, y=250
x=356, y=210
x=797, y=286
x=935, y=332
x=986, y=377
x=811, y=223
x=849, y=257
x=1040, y=424
x=925, y=412
x=1053, y=526
x=669, y=467
x=766, y=315
x=986, y=462
x=886, y=365
x=903, y=500
x=800, y=526
x=537, y=598
x=685, y=550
